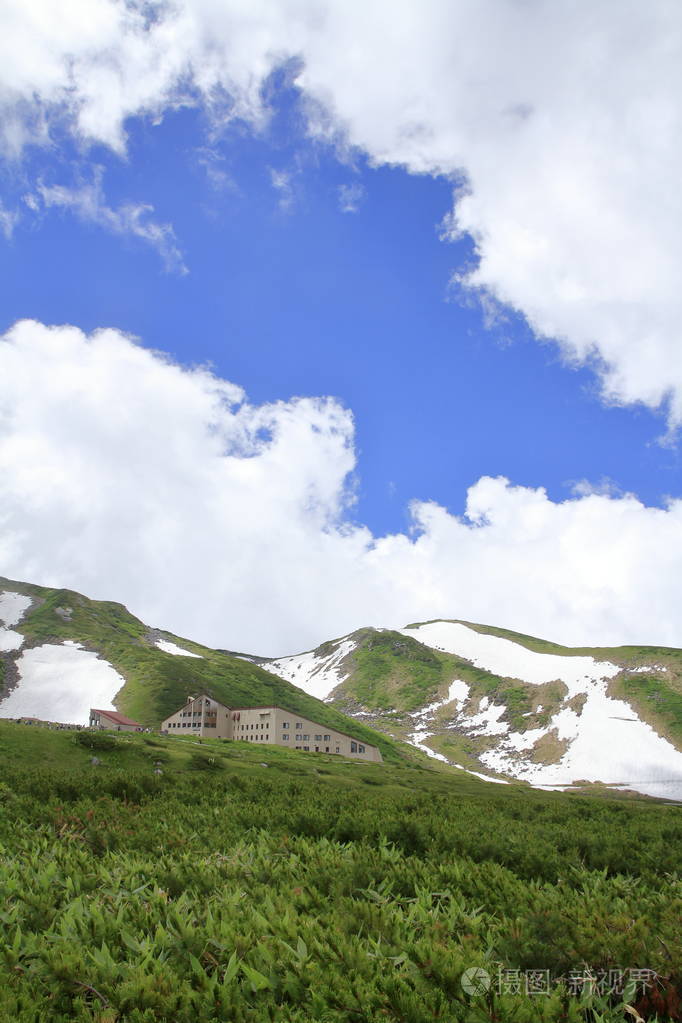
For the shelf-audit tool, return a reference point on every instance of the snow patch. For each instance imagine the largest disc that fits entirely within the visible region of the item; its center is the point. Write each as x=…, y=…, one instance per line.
x=61, y=683
x=487, y=721
x=315, y=675
x=510, y=660
x=13, y=606
x=458, y=693
x=12, y=609
x=173, y=648
x=608, y=743
x=10, y=640
x=486, y=777
x=417, y=739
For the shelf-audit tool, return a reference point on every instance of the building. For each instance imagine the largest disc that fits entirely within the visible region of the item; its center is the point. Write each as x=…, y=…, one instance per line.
x=113, y=720
x=271, y=725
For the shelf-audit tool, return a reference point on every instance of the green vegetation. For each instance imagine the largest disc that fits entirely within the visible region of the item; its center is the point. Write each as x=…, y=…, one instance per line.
x=158, y=683
x=657, y=698
x=315, y=889
x=394, y=671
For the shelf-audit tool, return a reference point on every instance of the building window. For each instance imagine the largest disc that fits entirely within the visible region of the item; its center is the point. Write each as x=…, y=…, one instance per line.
x=354, y=747
x=285, y=724
x=318, y=738
x=338, y=749
x=285, y=736
x=361, y=748
x=327, y=738
x=326, y=749
x=305, y=737
x=299, y=724
x=298, y=737
x=306, y=748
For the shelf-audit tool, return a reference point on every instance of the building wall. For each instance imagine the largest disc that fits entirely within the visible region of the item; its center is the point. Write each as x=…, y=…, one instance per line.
x=274, y=725
x=102, y=721
x=202, y=716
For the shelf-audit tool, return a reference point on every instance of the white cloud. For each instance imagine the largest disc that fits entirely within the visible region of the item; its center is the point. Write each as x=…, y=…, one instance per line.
x=282, y=182
x=563, y=121
x=351, y=197
x=8, y=221
x=128, y=477
x=605, y=486
x=88, y=202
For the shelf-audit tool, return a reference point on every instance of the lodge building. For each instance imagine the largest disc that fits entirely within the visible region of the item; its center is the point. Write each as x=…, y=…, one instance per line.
x=203, y=716
x=112, y=719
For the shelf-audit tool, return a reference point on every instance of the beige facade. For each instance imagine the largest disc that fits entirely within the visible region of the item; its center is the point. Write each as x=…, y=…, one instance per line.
x=113, y=720
x=200, y=716
x=266, y=726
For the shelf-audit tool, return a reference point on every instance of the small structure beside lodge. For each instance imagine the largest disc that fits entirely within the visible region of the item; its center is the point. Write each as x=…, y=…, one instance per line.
x=203, y=716
x=113, y=720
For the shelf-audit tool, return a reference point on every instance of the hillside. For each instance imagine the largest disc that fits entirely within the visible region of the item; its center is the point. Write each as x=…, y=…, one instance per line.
x=171, y=881
x=61, y=653
x=495, y=703
x=508, y=705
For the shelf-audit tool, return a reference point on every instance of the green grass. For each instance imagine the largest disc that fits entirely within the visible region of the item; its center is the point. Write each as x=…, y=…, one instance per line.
x=657, y=699
x=313, y=889
x=392, y=671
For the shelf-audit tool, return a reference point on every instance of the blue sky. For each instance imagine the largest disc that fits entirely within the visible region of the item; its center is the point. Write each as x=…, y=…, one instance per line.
x=458, y=224
x=287, y=295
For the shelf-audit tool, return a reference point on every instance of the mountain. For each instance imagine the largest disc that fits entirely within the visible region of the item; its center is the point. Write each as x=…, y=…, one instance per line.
x=62, y=653
x=508, y=705
x=498, y=704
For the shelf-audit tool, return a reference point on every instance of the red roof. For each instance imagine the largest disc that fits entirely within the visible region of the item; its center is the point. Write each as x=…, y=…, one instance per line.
x=114, y=715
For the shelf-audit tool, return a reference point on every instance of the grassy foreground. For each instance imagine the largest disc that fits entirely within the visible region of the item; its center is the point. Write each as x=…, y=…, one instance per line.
x=318, y=889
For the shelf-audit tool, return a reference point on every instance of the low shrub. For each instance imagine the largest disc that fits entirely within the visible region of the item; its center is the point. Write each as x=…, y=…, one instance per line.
x=95, y=740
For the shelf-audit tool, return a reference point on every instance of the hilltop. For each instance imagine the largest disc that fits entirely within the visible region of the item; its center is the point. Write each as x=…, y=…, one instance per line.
x=509, y=705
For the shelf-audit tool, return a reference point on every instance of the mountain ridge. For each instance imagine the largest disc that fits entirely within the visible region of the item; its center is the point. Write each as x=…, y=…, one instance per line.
x=68, y=640
x=502, y=705
x=524, y=712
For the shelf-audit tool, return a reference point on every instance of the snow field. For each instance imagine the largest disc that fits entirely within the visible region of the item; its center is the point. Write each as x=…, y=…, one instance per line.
x=61, y=683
